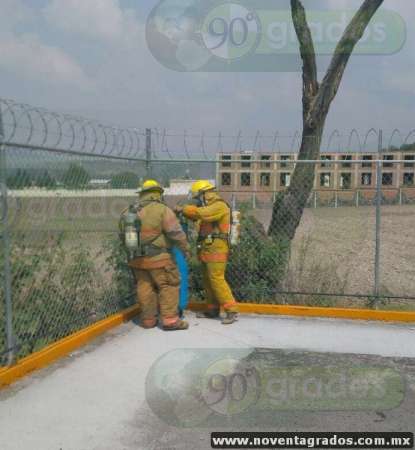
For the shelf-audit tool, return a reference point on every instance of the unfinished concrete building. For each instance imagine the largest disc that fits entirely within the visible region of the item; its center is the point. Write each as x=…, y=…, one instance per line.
x=262, y=175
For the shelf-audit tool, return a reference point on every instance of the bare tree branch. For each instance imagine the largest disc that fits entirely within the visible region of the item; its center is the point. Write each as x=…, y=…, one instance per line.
x=310, y=83
x=343, y=52
x=289, y=205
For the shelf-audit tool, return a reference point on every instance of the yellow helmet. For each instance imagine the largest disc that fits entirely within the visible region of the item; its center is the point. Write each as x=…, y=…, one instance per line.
x=150, y=185
x=201, y=186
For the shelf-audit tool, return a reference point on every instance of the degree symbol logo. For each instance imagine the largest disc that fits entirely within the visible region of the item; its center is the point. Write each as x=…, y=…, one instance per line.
x=230, y=386
x=231, y=31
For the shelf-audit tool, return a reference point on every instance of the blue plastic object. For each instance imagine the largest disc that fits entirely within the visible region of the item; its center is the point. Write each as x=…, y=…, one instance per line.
x=184, y=276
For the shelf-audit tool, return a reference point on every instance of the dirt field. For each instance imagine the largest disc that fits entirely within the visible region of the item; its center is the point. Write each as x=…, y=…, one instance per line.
x=334, y=249
x=342, y=243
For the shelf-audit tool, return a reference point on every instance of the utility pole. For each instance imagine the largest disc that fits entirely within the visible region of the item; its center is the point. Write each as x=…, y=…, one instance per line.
x=5, y=236
x=149, y=171
x=378, y=214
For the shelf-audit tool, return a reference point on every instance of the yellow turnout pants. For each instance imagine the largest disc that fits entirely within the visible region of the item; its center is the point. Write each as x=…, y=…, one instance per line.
x=218, y=292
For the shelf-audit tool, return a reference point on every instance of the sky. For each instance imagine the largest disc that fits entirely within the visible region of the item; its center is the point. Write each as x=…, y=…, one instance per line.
x=91, y=58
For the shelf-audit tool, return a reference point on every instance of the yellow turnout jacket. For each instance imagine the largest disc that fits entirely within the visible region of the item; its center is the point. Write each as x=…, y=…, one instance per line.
x=214, y=220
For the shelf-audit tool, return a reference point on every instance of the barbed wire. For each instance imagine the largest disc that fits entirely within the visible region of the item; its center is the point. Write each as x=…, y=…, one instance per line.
x=36, y=128
x=194, y=147
x=291, y=135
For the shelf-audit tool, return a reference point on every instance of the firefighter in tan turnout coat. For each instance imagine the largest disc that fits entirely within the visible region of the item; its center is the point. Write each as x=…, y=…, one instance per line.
x=158, y=279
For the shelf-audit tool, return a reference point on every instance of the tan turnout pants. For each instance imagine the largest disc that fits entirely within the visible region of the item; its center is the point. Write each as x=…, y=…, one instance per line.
x=158, y=290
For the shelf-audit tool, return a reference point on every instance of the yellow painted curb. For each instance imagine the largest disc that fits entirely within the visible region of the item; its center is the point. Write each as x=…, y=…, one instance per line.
x=57, y=350
x=46, y=356
x=310, y=311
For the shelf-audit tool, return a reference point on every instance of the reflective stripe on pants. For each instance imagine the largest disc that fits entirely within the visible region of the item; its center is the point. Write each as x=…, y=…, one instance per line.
x=158, y=288
x=218, y=292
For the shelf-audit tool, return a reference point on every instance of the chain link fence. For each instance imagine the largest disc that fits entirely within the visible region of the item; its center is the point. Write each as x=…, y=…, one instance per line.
x=64, y=182
x=61, y=263
x=352, y=247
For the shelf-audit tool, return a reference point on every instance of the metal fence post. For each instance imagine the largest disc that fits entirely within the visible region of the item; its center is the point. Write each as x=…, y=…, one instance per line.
x=378, y=219
x=148, y=154
x=7, y=277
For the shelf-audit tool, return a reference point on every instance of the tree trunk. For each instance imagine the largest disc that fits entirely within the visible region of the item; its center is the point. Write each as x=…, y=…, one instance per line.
x=289, y=205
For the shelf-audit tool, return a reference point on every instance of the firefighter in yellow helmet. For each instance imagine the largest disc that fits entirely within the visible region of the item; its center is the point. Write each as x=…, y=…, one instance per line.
x=214, y=217
x=158, y=279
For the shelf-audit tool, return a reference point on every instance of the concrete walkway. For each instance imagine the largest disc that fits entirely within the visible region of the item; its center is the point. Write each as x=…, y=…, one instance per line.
x=96, y=398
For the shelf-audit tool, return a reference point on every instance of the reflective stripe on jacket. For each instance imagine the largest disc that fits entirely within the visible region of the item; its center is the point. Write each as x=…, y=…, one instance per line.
x=160, y=230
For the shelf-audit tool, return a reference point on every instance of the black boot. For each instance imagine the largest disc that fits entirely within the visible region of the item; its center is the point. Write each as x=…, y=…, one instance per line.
x=231, y=317
x=212, y=314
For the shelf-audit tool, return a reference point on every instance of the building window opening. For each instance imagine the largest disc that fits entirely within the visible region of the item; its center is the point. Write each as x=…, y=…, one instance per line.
x=325, y=158
x=265, y=180
x=246, y=179
x=346, y=181
x=285, y=179
x=226, y=160
x=285, y=158
x=265, y=161
x=246, y=161
x=368, y=158
x=226, y=179
x=408, y=179
x=366, y=179
x=387, y=179
x=409, y=164
x=387, y=158
x=325, y=180
x=346, y=158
